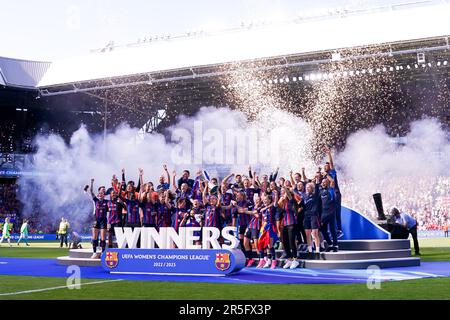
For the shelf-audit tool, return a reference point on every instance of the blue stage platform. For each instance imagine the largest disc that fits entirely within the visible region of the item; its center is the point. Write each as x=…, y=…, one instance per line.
x=50, y=268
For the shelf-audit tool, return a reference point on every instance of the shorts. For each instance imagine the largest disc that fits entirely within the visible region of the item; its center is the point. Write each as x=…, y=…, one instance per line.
x=100, y=223
x=242, y=229
x=311, y=222
x=252, y=233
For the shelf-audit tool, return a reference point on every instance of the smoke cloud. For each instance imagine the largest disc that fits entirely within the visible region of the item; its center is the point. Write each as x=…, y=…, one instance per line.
x=223, y=141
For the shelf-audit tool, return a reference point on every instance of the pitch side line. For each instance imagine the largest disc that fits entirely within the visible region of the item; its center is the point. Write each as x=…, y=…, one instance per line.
x=56, y=288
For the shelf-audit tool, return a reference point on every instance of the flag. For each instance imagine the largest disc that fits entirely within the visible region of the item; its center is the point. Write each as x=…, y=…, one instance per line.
x=264, y=240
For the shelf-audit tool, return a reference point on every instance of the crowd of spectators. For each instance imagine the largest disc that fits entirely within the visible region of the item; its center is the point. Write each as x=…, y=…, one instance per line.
x=9, y=205
x=427, y=199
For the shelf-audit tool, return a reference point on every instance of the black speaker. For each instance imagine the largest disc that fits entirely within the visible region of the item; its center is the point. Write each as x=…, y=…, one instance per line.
x=379, y=205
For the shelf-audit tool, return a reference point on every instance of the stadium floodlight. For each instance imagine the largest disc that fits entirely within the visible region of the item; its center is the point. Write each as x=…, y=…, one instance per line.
x=438, y=64
x=275, y=81
x=286, y=80
x=306, y=77
x=281, y=80
x=300, y=78
x=312, y=77
x=294, y=79
x=335, y=56
x=445, y=62
x=420, y=57
x=357, y=72
x=384, y=69
x=270, y=81
x=408, y=67
x=397, y=68
x=429, y=64
x=391, y=68
x=416, y=66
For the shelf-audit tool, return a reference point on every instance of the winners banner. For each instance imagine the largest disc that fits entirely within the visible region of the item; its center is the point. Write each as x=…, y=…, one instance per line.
x=219, y=262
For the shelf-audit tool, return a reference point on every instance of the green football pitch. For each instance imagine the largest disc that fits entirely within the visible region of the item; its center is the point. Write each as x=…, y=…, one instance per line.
x=24, y=287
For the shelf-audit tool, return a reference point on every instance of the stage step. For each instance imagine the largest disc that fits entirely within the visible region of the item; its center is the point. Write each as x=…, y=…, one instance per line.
x=360, y=264
x=360, y=255
x=81, y=253
x=374, y=245
x=82, y=262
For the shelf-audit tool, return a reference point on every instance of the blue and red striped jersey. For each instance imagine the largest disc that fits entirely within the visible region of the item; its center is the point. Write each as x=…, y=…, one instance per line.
x=270, y=215
x=250, y=192
x=115, y=212
x=133, y=211
x=148, y=210
x=212, y=216
x=177, y=217
x=225, y=200
x=255, y=221
x=289, y=213
x=163, y=214
x=101, y=208
x=243, y=219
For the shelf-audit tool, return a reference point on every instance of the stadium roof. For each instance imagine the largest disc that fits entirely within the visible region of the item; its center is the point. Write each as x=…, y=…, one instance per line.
x=395, y=24
x=21, y=73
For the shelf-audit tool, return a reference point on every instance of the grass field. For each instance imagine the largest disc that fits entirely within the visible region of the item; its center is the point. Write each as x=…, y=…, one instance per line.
x=434, y=289
x=19, y=287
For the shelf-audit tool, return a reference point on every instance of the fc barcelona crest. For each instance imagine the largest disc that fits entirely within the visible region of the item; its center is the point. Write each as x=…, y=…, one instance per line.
x=223, y=261
x=112, y=259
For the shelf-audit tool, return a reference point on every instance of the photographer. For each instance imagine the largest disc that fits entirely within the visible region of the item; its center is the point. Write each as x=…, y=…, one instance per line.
x=409, y=224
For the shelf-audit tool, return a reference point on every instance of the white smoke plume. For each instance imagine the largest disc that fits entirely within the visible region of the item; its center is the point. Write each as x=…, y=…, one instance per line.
x=223, y=141
x=410, y=175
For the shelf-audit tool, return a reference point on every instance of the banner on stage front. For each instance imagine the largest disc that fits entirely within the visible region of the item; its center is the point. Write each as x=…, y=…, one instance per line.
x=184, y=238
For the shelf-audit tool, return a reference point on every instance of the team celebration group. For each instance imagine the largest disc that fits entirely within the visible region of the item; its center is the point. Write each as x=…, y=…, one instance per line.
x=300, y=214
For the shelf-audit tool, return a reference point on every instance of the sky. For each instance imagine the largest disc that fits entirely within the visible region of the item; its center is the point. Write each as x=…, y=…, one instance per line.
x=53, y=29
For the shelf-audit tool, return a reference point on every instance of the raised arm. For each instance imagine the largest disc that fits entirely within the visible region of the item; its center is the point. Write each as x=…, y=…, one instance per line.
x=124, y=183
x=288, y=193
x=304, y=175
x=92, y=188
x=225, y=180
x=168, y=204
x=205, y=200
x=167, y=174
x=332, y=183
x=174, y=185
x=292, y=178
x=330, y=157
x=250, y=175
x=273, y=176
x=141, y=182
